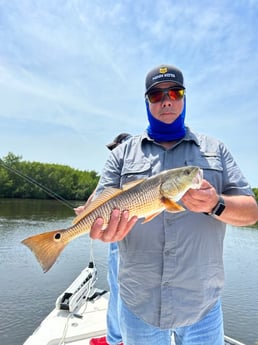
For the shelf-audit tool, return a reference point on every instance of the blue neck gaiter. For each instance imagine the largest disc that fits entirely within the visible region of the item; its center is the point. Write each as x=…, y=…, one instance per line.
x=160, y=131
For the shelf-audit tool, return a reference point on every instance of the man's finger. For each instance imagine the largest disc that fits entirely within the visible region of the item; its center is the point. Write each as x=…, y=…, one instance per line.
x=96, y=229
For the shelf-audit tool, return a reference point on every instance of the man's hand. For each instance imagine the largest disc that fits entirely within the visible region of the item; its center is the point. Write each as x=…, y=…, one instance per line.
x=78, y=210
x=118, y=227
x=203, y=199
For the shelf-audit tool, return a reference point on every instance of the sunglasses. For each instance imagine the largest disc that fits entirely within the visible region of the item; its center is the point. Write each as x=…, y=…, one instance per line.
x=175, y=94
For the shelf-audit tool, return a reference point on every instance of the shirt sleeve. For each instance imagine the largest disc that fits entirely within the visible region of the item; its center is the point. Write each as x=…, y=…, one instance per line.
x=234, y=182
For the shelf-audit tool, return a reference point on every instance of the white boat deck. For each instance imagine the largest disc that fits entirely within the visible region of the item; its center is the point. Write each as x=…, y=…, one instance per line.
x=75, y=330
x=60, y=325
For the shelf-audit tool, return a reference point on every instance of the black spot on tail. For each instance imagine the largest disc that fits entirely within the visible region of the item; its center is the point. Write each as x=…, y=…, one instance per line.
x=57, y=236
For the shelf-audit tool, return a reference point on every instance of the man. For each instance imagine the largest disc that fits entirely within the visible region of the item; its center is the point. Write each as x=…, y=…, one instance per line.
x=171, y=269
x=113, y=329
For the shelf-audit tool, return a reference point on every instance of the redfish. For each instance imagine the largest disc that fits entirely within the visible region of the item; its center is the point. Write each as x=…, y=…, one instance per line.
x=145, y=198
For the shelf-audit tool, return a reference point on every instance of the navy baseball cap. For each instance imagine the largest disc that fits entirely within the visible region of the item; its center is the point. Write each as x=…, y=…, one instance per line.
x=162, y=74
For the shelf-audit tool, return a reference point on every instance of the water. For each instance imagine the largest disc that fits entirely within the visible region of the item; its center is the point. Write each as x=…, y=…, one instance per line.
x=27, y=295
x=240, y=297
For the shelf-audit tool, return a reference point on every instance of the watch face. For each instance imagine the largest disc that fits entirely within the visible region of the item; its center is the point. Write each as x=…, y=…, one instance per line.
x=219, y=208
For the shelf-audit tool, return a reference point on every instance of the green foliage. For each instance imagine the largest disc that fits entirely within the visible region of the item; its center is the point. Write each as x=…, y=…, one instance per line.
x=255, y=190
x=22, y=179
x=19, y=179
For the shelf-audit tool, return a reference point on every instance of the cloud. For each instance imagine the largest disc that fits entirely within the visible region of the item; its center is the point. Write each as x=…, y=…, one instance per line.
x=80, y=67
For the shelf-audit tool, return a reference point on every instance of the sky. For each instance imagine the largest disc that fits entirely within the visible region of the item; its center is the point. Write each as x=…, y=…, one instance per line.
x=72, y=74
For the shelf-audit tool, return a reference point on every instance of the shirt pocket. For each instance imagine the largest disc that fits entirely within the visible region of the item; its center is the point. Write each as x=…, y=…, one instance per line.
x=132, y=171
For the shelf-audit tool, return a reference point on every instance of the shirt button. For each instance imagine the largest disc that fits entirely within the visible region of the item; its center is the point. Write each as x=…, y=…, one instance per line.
x=167, y=252
x=166, y=284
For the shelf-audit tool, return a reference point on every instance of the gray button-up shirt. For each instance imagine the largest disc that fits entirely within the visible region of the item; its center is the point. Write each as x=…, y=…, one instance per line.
x=171, y=268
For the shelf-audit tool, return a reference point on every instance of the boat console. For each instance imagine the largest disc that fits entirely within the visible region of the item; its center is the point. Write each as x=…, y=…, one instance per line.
x=81, y=290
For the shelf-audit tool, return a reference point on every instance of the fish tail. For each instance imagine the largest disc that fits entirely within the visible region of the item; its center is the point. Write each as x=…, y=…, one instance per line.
x=46, y=247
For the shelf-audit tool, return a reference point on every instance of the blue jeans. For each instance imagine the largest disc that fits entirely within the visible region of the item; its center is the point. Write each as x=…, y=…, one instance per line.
x=208, y=331
x=113, y=329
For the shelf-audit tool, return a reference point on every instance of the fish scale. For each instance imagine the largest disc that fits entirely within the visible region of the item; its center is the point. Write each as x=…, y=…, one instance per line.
x=142, y=198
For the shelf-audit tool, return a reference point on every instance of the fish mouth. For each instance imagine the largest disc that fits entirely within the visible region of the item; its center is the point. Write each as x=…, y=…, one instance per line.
x=198, y=179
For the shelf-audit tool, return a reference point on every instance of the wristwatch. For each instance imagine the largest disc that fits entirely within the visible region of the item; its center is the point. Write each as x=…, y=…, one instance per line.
x=219, y=208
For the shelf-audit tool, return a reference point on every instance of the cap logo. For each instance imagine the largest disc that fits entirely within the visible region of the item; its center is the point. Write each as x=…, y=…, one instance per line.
x=163, y=70
x=164, y=75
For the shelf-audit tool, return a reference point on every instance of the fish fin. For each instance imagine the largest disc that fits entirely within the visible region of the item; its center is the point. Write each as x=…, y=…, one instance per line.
x=172, y=206
x=151, y=216
x=106, y=195
x=46, y=247
x=131, y=184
